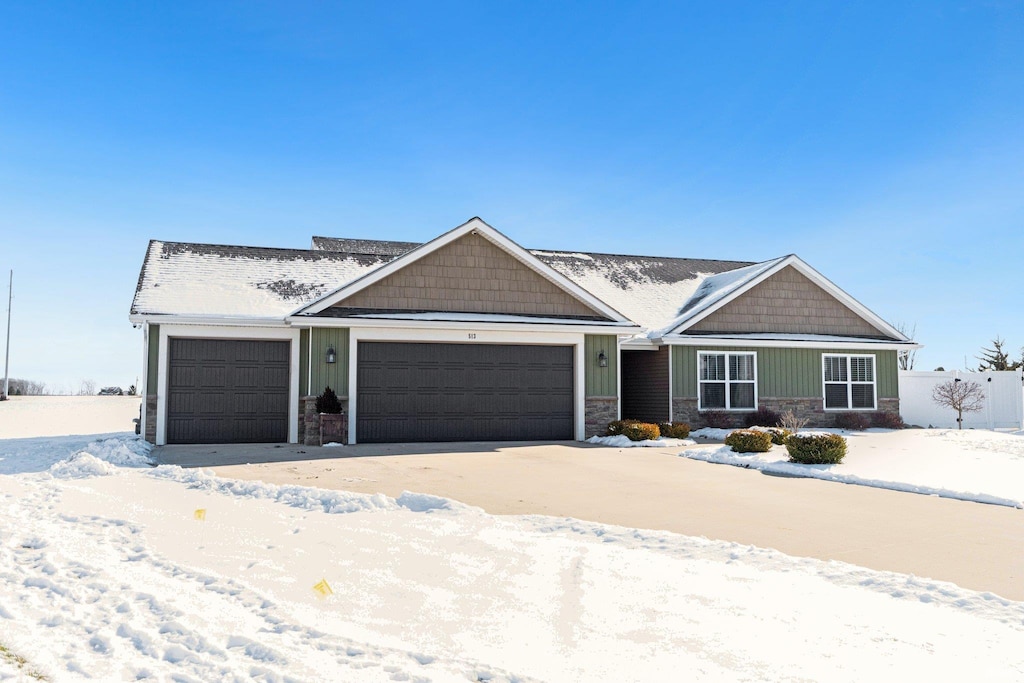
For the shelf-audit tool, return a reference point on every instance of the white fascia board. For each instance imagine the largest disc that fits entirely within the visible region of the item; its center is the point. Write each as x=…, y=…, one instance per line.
x=815, y=277
x=359, y=323
x=706, y=340
x=233, y=321
x=639, y=344
x=492, y=235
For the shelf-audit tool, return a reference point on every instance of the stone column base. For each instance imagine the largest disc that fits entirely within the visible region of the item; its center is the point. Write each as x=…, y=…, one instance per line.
x=313, y=431
x=599, y=411
x=150, y=408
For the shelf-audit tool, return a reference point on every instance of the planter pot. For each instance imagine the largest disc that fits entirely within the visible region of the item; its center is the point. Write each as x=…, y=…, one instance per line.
x=333, y=428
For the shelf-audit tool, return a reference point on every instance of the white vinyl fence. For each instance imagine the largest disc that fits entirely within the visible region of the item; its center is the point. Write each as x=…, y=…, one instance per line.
x=1004, y=399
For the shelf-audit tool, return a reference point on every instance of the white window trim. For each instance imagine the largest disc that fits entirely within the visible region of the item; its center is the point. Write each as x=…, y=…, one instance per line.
x=727, y=380
x=849, y=382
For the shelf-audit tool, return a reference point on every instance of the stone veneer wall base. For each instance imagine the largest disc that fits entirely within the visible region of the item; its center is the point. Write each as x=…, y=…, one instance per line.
x=598, y=412
x=811, y=409
x=150, y=434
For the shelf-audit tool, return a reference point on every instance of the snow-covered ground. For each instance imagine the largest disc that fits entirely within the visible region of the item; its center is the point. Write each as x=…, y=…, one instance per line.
x=978, y=465
x=621, y=441
x=113, y=570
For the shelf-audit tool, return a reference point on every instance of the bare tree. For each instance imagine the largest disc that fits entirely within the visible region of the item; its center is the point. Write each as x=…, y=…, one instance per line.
x=962, y=396
x=791, y=421
x=87, y=388
x=906, y=358
x=27, y=387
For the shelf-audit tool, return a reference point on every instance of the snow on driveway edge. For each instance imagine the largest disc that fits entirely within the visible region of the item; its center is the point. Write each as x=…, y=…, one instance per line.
x=724, y=455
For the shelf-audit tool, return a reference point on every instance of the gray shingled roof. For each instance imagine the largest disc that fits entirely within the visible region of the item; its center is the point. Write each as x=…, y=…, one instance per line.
x=217, y=280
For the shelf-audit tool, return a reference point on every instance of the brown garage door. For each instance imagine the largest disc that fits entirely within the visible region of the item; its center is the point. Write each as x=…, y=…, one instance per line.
x=227, y=391
x=463, y=392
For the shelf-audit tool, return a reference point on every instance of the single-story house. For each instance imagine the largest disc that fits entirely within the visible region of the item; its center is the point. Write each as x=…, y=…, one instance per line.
x=471, y=337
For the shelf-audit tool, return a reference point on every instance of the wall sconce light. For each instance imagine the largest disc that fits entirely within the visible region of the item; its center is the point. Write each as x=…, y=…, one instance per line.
x=602, y=360
x=332, y=357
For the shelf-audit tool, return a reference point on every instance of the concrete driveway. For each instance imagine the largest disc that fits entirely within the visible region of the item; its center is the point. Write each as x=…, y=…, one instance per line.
x=973, y=545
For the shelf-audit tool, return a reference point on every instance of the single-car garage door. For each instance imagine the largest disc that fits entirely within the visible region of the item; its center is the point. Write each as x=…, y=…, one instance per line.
x=227, y=391
x=463, y=392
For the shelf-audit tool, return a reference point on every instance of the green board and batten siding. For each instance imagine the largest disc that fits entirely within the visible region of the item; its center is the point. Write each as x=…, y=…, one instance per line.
x=601, y=381
x=321, y=373
x=153, y=364
x=781, y=372
x=303, y=362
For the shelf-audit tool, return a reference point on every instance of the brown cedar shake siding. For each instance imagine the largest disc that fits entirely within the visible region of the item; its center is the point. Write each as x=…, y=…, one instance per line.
x=470, y=275
x=788, y=302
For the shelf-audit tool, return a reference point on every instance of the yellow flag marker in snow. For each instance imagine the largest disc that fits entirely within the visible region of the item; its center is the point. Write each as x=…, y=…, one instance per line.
x=200, y=514
x=323, y=589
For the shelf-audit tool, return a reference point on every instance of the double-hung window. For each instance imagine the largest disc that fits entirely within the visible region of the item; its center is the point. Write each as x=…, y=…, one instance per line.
x=727, y=381
x=849, y=382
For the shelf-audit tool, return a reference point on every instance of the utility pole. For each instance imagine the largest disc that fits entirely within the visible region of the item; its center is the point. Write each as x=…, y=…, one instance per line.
x=7, y=352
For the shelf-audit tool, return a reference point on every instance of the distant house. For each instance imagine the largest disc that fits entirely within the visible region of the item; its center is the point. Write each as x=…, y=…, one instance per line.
x=471, y=337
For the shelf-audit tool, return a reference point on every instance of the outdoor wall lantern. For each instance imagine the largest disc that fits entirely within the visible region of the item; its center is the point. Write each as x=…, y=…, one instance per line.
x=602, y=360
x=332, y=357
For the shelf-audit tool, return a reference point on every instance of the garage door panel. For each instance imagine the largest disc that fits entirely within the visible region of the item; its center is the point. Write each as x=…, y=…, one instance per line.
x=463, y=392
x=227, y=391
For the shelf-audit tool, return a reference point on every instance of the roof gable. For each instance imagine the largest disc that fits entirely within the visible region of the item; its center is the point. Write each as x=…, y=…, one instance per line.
x=784, y=295
x=442, y=275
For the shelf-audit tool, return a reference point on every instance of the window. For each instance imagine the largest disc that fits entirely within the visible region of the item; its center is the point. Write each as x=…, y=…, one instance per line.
x=849, y=382
x=727, y=381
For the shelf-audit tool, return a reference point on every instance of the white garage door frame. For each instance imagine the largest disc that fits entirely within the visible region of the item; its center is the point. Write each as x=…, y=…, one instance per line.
x=468, y=336
x=227, y=332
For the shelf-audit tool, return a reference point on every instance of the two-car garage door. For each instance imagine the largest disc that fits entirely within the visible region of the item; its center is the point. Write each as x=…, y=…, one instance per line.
x=463, y=392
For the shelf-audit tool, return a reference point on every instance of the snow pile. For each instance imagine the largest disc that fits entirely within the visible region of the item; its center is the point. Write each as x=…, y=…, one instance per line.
x=712, y=433
x=302, y=497
x=80, y=465
x=101, y=458
x=982, y=466
x=622, y=441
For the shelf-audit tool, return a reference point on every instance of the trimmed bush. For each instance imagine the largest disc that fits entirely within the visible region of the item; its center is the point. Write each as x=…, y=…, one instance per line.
x=887, y=420
x=816, y=449
x=749, y=441
x=641, y=431
x=717, y=419
x=328, y=402
x=675, y=430
x=854, y=422
x=615, y=426
x=763, y=417
x=778, y=434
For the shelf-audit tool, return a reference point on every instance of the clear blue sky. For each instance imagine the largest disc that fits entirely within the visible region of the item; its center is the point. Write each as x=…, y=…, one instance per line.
x=882, y=142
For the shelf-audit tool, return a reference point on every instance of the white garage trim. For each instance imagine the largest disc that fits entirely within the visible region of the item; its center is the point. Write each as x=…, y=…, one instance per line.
x=223, y=332
x=462, y=336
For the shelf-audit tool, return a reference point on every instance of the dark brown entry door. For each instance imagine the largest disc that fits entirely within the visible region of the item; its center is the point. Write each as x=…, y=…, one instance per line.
x=227, y=391
x=463, y=392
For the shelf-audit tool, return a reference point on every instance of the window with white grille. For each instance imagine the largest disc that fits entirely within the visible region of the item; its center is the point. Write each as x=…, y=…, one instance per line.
x=849, y=382
x=726, y=381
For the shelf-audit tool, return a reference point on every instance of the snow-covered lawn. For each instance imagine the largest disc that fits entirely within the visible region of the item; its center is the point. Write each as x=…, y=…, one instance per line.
x=978, y=465
x=113, y=570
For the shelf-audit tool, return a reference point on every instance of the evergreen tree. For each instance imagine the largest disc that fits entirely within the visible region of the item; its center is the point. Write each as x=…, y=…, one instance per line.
x=997, y=358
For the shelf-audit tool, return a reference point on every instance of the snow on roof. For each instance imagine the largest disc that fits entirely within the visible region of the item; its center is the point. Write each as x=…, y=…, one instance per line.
x=214, y=280
x=713, y=289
